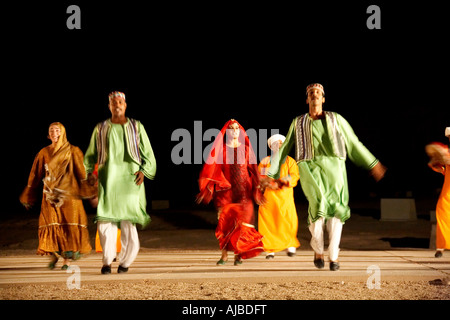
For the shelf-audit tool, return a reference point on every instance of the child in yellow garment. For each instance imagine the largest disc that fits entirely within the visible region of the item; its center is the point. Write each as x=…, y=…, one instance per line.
x=277, y=219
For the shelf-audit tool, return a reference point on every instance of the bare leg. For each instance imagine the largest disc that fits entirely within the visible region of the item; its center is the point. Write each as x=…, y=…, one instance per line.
x=223, y=258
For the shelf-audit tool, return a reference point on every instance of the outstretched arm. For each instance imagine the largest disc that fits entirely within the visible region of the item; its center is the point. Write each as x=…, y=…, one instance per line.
x=358, y=153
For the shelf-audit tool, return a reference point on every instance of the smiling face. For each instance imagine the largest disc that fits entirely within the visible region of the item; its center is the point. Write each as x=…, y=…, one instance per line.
x=54, y=132
x=117, y=106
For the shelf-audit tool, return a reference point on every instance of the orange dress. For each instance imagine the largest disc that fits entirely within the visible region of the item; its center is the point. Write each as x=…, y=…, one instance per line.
x=61, y=229
x=277, y=218
x=443, y=213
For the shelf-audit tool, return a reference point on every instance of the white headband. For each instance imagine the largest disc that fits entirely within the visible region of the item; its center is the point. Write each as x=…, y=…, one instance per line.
x=274, y=138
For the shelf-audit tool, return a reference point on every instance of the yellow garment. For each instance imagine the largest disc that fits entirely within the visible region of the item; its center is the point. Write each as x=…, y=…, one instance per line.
x=98, y=246
x=277, y=219
x=443, y=214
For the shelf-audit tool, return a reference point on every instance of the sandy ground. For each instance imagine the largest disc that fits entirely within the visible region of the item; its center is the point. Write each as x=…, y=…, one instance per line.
x=237, y=290
x=18, y=237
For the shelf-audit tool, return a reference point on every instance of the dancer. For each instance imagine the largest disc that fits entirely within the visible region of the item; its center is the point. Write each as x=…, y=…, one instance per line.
x=230, y=177
x=440, y=162
x=62, y=222
x=277, y=218
x=122, y=149
x=323, y=140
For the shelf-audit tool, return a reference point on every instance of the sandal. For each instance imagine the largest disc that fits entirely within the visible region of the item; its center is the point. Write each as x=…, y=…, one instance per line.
x=52, y=263
x=221, y=262
x=76, y=255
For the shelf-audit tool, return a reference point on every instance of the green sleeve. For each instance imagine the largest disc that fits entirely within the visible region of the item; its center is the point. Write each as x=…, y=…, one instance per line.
x=148, y=161
x=278, y=159
x=356, y=151
x=91, y=155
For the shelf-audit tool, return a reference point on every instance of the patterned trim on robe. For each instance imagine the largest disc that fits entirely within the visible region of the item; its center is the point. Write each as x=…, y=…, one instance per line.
x=63, y=224
x=304, y=149
x=337, y=140
x=103, y=130
x=132, y=135
x=131, y=129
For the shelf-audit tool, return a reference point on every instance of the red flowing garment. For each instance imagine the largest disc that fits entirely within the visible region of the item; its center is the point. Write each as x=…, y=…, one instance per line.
x=230, y=178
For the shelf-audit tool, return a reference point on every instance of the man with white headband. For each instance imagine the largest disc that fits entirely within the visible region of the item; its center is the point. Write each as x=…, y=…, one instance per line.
x=121, y=148
x=323, y=140
x=277, y=218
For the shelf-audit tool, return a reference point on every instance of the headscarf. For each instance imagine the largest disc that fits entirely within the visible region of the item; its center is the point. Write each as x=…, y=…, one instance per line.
x=275, y=138
x=212, y=178
x=61, y=181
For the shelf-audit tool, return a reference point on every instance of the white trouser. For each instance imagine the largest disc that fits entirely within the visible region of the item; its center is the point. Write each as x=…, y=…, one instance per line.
x=129, y=240
x=334, y=229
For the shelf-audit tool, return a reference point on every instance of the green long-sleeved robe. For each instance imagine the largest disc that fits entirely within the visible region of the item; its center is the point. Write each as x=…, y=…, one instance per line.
x=119, y=198
x=324, y=177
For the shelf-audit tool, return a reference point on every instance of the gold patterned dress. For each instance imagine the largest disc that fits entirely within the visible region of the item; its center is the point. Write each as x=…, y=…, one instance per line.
x=62, y=223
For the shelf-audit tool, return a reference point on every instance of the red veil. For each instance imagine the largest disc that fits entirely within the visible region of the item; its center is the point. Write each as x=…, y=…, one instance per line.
x=235, y=230
x=212, y=178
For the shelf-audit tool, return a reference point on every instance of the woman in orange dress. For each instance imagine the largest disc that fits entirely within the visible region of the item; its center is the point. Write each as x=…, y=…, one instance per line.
x=440, y=162
x=277, y=218
x=62, y=221
x=230, y=178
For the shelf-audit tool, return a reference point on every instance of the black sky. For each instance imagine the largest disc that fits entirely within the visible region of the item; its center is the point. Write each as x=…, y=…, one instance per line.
x=180, y=63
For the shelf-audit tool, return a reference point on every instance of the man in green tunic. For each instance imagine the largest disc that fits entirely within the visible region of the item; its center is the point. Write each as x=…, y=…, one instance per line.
x=122, y=150
x=323, y=140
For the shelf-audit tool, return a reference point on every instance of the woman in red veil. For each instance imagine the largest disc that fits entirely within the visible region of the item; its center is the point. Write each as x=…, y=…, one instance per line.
x=230, y=178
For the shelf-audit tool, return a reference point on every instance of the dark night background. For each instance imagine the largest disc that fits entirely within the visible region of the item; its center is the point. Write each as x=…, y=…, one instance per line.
x=180, y=63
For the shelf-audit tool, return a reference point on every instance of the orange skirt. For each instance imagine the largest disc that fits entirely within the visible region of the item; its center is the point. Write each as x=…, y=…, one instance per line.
x=443, y=224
